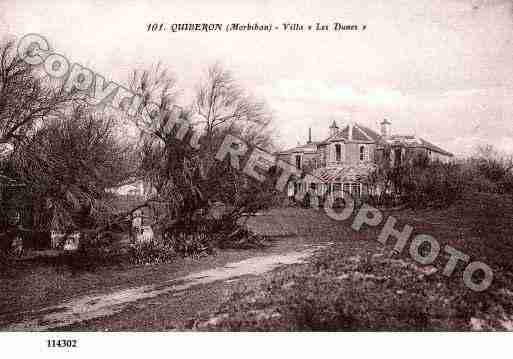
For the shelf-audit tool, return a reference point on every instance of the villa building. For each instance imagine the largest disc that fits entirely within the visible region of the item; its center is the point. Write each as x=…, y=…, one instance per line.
x=345, y=159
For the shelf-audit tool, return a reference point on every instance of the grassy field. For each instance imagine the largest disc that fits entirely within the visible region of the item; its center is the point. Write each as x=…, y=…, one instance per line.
x=359, y=284
x=354, y=284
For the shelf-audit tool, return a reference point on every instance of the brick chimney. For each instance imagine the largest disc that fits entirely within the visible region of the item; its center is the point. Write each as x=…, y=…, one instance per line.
x=385, y=128
x=309, y=135
x=350, y=128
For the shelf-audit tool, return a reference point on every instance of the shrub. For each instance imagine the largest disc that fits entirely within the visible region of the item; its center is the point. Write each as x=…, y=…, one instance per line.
x=197, y=244
x=201, y=236
x=419, y=183
x=153, y=252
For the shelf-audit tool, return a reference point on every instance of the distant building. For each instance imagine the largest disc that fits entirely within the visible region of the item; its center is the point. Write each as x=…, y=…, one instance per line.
x=345, y=159
x=133, y=187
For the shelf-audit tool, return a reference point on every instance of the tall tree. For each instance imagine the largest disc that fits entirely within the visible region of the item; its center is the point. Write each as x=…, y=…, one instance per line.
x=70, y=163
x=25, y=99
x=189, y=180
x=221, y=103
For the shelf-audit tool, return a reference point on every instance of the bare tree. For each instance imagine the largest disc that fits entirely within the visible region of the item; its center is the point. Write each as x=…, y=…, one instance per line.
x=188, y=180
x=221, y=102
x=25, y=100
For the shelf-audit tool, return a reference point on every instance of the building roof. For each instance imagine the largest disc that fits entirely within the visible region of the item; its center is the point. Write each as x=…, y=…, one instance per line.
x=412, y=141
x=308, y=148
x=354, y=132
x=350, y=173
x=359, y=133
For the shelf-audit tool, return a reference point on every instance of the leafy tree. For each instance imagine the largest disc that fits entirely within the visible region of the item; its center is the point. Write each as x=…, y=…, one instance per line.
x=490, y=170
x=417, y=181
x=68, y=166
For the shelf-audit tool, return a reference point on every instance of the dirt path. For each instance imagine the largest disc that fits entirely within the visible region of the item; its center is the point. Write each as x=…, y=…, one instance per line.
x=157, y=297
x=86, y=308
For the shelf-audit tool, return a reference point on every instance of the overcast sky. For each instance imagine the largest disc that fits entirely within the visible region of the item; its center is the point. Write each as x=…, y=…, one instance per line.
x=440, y=69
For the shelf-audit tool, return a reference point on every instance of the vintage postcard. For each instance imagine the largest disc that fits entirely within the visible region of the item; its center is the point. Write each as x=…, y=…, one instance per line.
x=242, y=166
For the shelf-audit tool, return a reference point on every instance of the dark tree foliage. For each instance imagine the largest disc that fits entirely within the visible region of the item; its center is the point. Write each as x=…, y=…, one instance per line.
x=68, y=166
x=417, y=181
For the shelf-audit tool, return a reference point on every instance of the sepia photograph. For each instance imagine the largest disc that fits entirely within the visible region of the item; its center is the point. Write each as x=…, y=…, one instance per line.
x=255, y=166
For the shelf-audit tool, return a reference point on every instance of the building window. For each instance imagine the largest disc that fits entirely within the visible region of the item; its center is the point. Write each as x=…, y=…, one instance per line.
x=291, y=189
x=322, y=189
x=355, y=189
x=347, y=188
x=298, y=161
x=397, y=156
x=363, y=153
x=338, y=152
